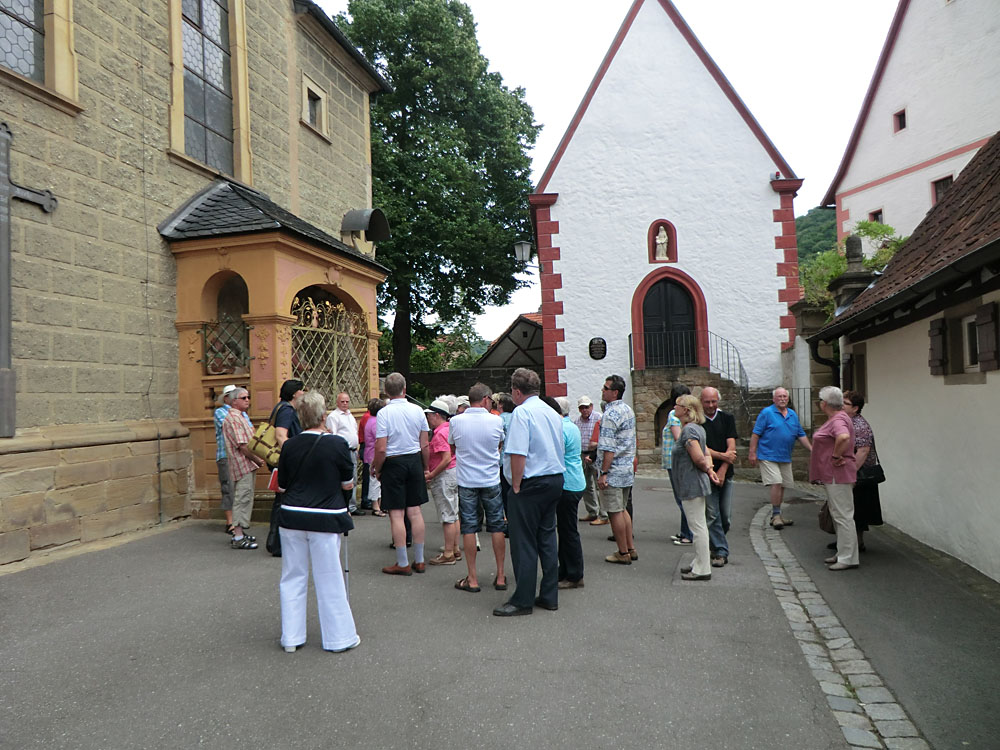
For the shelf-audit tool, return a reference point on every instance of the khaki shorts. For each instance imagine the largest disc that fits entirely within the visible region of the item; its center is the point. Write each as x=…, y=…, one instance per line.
x=773, y=472
x=614, y=499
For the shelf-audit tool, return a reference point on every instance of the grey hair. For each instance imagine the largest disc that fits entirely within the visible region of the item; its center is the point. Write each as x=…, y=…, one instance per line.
x=563, y=404
x=779, y=388
x=233, y=395
x=833, y=396
x=395, y=384
x=311, y=410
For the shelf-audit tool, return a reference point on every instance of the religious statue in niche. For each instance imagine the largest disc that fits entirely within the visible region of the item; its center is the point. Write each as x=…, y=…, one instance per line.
x=662, y=251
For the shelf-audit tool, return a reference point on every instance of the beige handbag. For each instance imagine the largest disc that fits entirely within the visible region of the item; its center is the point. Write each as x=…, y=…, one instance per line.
x=264, y=443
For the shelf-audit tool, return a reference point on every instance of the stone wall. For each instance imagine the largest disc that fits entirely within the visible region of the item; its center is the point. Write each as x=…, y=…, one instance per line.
x=67, y=485
x=94, y=344
x=459, y=382
x=651, y=388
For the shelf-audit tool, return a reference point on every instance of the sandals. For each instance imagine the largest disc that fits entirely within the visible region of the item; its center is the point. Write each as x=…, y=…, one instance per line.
x=463, y=585
x=499, y=586
x=379, y=512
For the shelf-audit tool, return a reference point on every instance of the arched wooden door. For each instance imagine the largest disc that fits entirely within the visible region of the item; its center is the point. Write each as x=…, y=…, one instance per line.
x=668, y=325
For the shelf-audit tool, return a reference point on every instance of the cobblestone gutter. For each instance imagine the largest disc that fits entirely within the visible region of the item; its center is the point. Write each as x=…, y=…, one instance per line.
x=867, y=712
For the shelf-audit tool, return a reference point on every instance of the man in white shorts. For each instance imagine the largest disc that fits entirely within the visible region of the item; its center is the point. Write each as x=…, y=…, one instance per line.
x=774, y=435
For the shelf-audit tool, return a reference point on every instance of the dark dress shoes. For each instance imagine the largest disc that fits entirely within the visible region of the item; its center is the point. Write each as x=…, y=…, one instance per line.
x=539, y=602
x=511, y=610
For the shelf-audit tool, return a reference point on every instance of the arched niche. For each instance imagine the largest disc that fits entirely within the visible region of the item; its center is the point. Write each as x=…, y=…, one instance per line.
x=225, y=291
x=661, y=242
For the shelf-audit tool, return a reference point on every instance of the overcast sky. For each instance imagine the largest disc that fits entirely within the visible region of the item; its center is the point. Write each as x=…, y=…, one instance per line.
x=801, y=66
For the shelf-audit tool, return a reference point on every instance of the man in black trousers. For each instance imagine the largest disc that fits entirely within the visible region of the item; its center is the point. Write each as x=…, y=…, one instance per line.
x=534, y=464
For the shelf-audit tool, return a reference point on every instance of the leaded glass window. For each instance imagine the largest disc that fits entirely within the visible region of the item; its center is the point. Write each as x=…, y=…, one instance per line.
x=208, y=91
x=22, y=46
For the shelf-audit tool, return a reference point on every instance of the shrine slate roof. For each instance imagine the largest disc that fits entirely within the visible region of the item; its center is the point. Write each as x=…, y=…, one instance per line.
x=226, y=208
x=966, y=220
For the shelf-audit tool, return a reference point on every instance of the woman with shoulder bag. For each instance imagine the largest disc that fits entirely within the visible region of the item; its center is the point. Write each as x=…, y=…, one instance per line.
x=314, y=472
x=832, y=465
x=867, y=508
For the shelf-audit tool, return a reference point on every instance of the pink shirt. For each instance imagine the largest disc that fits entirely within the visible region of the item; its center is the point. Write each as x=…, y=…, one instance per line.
x=821, y=466
x=369, y=456
x=439, y=444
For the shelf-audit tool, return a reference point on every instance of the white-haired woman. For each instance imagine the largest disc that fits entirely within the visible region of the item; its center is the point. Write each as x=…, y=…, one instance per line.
x=832, y=465
x=315, y=471
x=692, y=473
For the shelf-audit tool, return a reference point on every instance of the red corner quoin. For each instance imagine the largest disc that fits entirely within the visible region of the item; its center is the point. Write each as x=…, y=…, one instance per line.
x=551, y=283
x=786, y=241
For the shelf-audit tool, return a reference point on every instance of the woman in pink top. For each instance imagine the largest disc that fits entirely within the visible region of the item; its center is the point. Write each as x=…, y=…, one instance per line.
x=374, y=486
x=832, y=465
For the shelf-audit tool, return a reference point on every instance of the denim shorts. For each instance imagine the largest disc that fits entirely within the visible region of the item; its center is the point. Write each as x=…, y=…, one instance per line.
x=469, y=500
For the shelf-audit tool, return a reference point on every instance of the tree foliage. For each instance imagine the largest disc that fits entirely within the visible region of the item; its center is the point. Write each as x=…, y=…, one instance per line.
x=816, y=273
x=816, y=231
x=450, y=165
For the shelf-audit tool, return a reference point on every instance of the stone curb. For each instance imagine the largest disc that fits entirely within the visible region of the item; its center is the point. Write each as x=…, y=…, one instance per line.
x=866, y=711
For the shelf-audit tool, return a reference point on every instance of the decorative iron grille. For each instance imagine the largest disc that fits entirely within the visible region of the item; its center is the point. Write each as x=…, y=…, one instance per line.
x=227, y=347
x=330, y=349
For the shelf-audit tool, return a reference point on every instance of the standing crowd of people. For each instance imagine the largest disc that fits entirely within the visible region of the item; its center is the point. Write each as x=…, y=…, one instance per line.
x=516, y=467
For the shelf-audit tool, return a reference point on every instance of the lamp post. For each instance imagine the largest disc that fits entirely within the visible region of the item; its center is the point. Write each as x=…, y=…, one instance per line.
x=522, y=251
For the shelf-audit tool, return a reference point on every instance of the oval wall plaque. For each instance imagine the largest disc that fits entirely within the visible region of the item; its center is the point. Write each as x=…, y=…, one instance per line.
x=598, y=348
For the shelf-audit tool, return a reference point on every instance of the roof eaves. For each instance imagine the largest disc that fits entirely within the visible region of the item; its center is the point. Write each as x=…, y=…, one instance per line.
x=984, y=255
x=852, y=144
x=333, y=30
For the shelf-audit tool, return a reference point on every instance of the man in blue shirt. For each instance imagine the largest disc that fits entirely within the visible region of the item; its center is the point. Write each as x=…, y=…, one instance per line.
x=771, y=444
x=536, y=452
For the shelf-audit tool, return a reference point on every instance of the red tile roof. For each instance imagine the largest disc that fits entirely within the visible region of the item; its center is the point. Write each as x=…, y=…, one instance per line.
x=964, y=221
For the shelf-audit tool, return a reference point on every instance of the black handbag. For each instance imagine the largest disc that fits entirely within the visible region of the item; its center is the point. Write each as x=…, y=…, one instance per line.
x=273, y=543
x=871, y=474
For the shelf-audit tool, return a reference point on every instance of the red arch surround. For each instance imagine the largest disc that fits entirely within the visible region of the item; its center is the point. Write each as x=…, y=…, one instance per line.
x=700, y=314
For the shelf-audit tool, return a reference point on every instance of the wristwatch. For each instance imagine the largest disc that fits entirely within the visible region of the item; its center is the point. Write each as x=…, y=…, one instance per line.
x=603, y=473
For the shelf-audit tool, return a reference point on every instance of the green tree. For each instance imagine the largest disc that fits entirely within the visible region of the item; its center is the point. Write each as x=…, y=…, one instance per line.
x=816, y=231
x=450, y=165
x=816, y=273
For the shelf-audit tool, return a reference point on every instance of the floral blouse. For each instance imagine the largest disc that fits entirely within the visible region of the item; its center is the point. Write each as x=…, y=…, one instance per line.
x=863, y=436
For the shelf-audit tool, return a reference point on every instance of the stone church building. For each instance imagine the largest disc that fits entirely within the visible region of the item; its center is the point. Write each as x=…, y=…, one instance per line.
x=186, y=189
x=665, y=230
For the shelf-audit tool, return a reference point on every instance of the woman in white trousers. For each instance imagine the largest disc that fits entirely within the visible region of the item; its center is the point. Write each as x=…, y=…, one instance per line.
x=314, y=473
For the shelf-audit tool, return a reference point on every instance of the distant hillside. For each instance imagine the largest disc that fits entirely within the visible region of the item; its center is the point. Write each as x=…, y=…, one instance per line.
x=817, y=231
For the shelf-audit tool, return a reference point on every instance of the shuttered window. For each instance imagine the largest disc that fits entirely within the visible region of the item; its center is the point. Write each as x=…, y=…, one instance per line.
x=986, y=329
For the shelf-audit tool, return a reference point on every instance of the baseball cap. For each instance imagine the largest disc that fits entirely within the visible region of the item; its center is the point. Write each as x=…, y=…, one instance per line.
x=584, y=401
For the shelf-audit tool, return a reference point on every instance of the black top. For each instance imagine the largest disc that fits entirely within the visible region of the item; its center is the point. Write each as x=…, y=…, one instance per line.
x=311, y=470
x=287, y=418
x=717, y=431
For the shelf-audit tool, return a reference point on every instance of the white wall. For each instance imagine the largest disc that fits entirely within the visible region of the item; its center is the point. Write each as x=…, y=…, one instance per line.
x=939, y=446
x=660, y=140
x=943, y=71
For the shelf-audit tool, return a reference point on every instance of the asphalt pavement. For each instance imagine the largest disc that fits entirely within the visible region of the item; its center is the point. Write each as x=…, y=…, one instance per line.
x=170, y=640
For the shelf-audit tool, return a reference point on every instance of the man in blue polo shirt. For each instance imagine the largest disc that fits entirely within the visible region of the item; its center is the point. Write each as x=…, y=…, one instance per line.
x=535, y=459
x=771, y=444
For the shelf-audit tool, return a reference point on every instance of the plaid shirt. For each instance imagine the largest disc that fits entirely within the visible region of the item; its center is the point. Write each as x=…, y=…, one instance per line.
x=237, y=431
x=220, y=442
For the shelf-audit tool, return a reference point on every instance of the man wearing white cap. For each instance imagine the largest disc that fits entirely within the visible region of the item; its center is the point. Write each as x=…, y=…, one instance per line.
x=221, y=461
x=587, y=422
x=441, y=481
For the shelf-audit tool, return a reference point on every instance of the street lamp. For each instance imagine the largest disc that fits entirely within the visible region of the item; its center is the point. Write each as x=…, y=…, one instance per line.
x=522, y=251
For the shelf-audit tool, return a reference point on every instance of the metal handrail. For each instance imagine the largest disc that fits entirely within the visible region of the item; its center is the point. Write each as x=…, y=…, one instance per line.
x=680, y=349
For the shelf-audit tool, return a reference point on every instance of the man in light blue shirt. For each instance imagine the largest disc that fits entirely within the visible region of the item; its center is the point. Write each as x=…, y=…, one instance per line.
x=774, y=435
x=536, y=453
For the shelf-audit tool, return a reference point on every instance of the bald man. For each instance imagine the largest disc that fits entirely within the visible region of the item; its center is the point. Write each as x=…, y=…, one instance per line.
x=720, y=438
